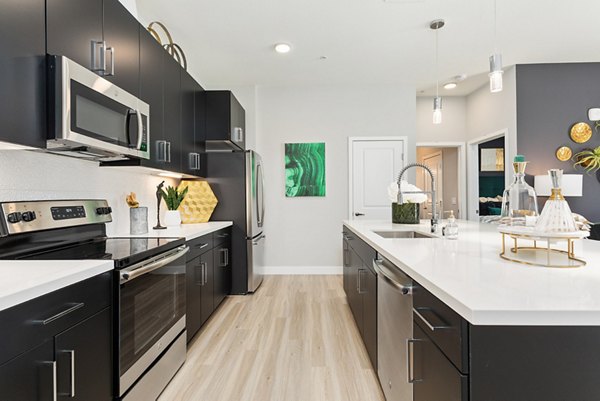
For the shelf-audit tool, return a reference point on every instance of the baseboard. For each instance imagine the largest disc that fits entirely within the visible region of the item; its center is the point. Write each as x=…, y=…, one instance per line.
x=302, y=270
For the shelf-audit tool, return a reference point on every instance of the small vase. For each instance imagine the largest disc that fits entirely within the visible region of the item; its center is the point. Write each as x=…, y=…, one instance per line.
x=406, y=213
x=138, y=220
x=172, y=218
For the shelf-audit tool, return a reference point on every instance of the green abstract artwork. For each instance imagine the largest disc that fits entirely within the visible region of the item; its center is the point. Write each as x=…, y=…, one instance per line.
x=304, y=169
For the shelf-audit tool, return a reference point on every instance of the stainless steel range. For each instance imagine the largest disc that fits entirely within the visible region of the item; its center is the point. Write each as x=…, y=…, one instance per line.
x=149, y=283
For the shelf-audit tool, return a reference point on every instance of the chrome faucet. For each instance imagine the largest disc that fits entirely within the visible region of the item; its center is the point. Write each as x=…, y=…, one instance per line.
x=434, y=218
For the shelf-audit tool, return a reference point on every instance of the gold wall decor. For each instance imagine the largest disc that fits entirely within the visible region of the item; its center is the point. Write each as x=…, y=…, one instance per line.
x=199, y=203
x=564, y=153
x=581, y=132
x=173, y=48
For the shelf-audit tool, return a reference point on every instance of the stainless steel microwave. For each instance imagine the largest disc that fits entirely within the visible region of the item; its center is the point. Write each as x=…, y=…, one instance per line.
x=90, y=117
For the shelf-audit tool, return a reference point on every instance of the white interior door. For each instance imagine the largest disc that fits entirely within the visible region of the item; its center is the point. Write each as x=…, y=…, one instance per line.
x=435, y=162
x=374, y=165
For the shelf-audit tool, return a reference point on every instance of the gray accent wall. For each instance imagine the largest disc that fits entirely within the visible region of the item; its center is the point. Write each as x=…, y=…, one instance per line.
x=550, y=99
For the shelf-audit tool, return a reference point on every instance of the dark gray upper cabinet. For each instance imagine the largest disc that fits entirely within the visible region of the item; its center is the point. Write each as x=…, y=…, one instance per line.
x=172, y=113
x=23, y=72
x=72, y=26
x=192, y=125
x=122, y=33
x=225, y=122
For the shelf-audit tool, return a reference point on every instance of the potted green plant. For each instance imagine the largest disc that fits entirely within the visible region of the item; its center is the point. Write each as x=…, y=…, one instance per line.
x=173, y=198
x=589, y=159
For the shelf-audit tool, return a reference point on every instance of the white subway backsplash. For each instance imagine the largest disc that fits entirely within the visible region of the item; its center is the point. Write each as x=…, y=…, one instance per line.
x=29, y=175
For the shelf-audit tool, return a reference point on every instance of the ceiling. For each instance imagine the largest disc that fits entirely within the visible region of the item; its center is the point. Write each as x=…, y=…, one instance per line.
x=230, y=42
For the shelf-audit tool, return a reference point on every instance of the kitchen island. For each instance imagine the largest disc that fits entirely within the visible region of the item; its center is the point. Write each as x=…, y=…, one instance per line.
x=487, y=329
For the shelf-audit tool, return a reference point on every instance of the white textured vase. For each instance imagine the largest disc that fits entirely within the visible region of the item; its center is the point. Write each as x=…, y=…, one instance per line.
x=172, y=218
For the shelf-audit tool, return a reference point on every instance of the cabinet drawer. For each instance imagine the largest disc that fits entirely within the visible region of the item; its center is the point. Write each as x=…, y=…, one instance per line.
x=364, y=251
x=221, y=236
x=200, y=245
x=434, y=377
x=24, y=326
x=446, y=328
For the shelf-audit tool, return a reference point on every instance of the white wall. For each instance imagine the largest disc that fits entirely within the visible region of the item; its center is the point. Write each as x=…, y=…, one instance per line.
x=27, y=175
x=491, y=112
x=131, y=5
x=454, y=120
x=305, y=232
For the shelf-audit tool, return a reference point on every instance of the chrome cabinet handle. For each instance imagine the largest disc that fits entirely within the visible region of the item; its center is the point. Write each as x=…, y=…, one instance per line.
x=238, y=134
x=99, y=56
x=204, y=273
x=161, y=151
x=194, y=161
x=223, y=263
x=410, y=360
x=72, y=359
x=428, y=323
x=226, y=256
x=112, y=61
x=201, y=245
x=141, y=269
x=70, y=309
x=54, y=388
x=168, y=151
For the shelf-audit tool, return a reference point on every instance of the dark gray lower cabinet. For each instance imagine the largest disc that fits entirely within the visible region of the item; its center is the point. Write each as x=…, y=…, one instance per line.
x=434, y=377
x=208, y=277
x=83, y=366
x=59, y=346
x=360, y=285
x=29, y=377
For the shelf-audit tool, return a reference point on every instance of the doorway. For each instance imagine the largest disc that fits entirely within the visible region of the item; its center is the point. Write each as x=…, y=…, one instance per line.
x=447, y=160
x=374, y=163
x=488, y=157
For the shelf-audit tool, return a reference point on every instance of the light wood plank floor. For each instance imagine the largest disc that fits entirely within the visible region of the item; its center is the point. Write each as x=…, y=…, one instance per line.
x=293, y=340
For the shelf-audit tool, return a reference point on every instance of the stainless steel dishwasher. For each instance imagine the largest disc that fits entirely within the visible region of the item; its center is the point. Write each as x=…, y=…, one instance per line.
x=394, y=330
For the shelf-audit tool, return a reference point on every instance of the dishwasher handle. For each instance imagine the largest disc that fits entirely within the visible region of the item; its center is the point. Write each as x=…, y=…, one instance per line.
x=381, y=272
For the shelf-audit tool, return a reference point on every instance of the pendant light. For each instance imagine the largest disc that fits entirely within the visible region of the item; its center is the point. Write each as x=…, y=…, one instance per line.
x=495, y=63
x=436, y=25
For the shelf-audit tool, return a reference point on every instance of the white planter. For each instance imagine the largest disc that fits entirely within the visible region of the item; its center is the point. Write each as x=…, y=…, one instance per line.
x=172, y=218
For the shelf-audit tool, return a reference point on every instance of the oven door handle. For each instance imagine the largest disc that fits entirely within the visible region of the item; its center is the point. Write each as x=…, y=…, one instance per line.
x=157, y=264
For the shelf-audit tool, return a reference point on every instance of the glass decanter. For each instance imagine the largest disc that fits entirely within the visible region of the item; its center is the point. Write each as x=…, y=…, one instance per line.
x=519, y=199
x=556, y=216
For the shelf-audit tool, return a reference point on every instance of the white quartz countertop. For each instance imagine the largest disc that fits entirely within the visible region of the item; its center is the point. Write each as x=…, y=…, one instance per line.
x=23, y=280
x=187, y=231
x=468, y=275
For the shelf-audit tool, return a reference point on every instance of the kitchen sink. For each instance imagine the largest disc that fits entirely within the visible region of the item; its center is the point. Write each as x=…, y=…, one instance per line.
x=403, y=234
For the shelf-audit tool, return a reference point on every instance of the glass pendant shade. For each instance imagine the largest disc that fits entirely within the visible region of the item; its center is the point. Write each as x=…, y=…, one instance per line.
x=556, y=216
x=519, y=199
x=437, y=110
x=496, y=72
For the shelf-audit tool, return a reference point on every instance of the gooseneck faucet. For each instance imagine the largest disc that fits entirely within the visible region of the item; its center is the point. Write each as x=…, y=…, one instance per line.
x=434, y=219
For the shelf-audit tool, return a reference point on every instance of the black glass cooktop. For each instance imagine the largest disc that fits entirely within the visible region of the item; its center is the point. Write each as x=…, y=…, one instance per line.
x=124, y=251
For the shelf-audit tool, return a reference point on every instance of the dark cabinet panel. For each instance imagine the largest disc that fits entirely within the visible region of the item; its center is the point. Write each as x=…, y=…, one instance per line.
x=23, y=72
x=354, y=298
x=72, y=26
x=222, y=272
x=122, y=33
x=29, y=377
x=193, y=277
x=84, y=363
x=151, y=92
x=435, y=377
x=207, y=304
x=192, y=125
x=172, y=113
x=368, y=286
x=225, y=119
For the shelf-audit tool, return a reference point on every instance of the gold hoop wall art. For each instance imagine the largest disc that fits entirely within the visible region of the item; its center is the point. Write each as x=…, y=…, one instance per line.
x=172, y=48
x=564, y=153
x=581, y=132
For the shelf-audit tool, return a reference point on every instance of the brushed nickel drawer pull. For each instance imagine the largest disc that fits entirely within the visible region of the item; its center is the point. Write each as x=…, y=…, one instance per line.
x=65, y=312
x=428, y=323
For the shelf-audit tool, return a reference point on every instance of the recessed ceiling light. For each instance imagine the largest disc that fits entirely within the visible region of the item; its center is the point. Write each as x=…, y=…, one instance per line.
x=282, y=48
x=450, y=85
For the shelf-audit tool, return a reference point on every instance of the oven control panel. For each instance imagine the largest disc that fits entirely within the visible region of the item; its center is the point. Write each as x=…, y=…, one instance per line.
x=29, y=216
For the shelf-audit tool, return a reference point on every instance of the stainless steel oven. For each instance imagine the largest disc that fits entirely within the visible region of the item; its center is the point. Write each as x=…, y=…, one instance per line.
x=92, y=118
x=151, y=323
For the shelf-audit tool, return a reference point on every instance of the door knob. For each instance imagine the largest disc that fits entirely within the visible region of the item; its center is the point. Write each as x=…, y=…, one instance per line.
x=359, y=214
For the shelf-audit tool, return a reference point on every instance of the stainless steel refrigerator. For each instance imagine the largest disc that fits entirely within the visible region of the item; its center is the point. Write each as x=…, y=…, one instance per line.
x=237, y=179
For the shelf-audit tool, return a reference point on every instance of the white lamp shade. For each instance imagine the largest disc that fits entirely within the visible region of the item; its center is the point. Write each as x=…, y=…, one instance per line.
x=572, y=185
